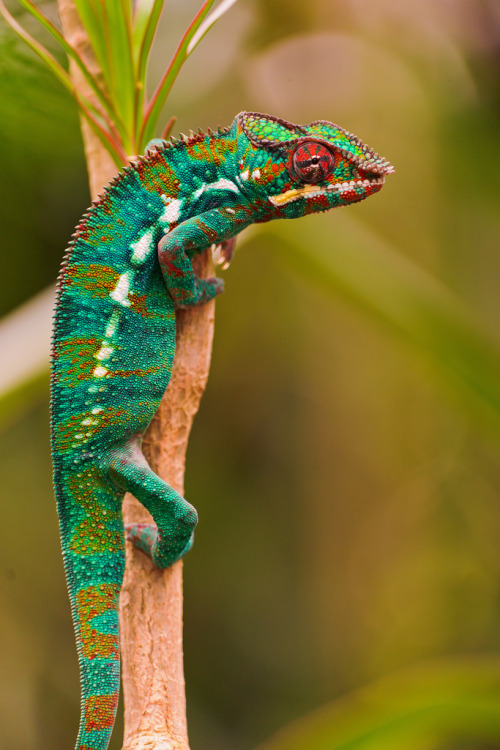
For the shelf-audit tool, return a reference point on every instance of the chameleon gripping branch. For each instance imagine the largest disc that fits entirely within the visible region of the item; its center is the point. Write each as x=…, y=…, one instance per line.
x=127, y=270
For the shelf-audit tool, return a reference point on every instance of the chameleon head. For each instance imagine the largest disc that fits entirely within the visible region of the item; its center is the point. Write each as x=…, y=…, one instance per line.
x=302, y=169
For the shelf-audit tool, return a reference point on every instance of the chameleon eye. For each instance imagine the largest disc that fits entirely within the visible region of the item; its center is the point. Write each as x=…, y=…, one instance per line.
x=313, y=162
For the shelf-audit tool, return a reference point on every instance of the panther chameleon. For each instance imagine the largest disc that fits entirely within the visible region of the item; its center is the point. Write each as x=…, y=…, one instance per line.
x=126, y=271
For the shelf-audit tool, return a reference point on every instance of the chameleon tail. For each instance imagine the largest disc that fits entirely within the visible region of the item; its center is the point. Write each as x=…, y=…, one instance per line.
x=92, y=539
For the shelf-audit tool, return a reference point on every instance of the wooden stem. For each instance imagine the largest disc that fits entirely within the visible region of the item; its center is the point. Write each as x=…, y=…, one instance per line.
x=151, y=599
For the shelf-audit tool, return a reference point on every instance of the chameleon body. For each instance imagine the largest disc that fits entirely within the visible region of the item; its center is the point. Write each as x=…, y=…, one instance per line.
x=126, y=271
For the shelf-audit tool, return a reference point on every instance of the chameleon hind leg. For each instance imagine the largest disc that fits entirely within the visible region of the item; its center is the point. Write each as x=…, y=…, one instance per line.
x=174, y=517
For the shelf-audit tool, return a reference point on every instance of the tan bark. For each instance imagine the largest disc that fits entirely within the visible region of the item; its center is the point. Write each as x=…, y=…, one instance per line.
x=151, y=599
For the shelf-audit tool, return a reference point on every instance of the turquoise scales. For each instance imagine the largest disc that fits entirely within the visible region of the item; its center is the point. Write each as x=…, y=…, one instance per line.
x=126, y=271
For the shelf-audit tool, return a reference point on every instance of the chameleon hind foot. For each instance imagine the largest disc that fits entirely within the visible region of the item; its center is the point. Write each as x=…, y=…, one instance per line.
x=174, y=517
x=144, y=536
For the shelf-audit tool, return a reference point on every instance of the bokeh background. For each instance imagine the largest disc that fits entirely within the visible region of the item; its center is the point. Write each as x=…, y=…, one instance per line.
x=345, y=460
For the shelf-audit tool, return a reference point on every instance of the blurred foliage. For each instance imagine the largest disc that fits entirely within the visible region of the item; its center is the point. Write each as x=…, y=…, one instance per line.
x=347, y=478
x=422, y=708
x=120, y=36
x=369, y=274
x=37, y=211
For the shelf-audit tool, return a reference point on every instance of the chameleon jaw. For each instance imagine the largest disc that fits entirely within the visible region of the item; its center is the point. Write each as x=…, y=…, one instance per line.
x=311, y=191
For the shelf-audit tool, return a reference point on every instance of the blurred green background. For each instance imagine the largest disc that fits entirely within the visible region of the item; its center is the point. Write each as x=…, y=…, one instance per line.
x=345, y=459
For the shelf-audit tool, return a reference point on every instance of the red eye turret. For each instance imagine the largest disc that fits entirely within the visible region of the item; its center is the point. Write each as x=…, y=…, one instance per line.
x=313, y=162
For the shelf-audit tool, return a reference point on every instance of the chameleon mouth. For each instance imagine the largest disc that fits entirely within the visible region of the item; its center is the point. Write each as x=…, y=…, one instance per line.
x=311, y=191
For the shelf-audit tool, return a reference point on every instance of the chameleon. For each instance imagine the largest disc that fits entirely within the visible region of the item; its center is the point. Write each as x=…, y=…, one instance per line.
x=126, y=272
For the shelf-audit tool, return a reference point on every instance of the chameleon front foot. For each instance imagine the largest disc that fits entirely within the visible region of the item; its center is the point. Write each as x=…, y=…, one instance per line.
x=203, y=291
x=164, y=553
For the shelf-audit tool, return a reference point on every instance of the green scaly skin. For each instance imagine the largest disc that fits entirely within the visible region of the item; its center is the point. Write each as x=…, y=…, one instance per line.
x=128, y=268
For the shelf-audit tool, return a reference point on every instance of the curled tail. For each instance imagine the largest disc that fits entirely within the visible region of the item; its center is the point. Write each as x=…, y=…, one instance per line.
x=93, y=550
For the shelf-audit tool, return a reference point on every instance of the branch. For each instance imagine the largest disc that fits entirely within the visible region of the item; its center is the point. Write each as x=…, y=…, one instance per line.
x=151, y=600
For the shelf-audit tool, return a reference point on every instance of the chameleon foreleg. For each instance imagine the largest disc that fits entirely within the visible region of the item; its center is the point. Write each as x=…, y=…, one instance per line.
x=176, y=249
x=174, y=517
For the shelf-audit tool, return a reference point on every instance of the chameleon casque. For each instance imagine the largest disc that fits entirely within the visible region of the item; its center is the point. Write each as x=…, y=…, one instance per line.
x=126, y=271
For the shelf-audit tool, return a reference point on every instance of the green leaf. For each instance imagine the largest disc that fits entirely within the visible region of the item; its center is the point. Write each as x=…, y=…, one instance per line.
x=164, y=87
x=121, y=41
x=419, y=709
x=118, y=34
x=112, y=145
x=40, y=50
x=88, y=111
x=92, y=17
x=108, y=26
x=145, y=21
x=71, y=52
x=207, y=24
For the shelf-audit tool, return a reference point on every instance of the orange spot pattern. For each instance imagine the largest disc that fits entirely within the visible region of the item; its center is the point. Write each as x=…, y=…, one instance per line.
x=91, y=602
x=100, y=280
x=157, y=176
x=66, y=433
x=213, y=152
x=94, y=277
x=92, y=233
x=100, y=712
x=79, y=352
x=138, y=304
x=93, y=535
x=90, y=538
